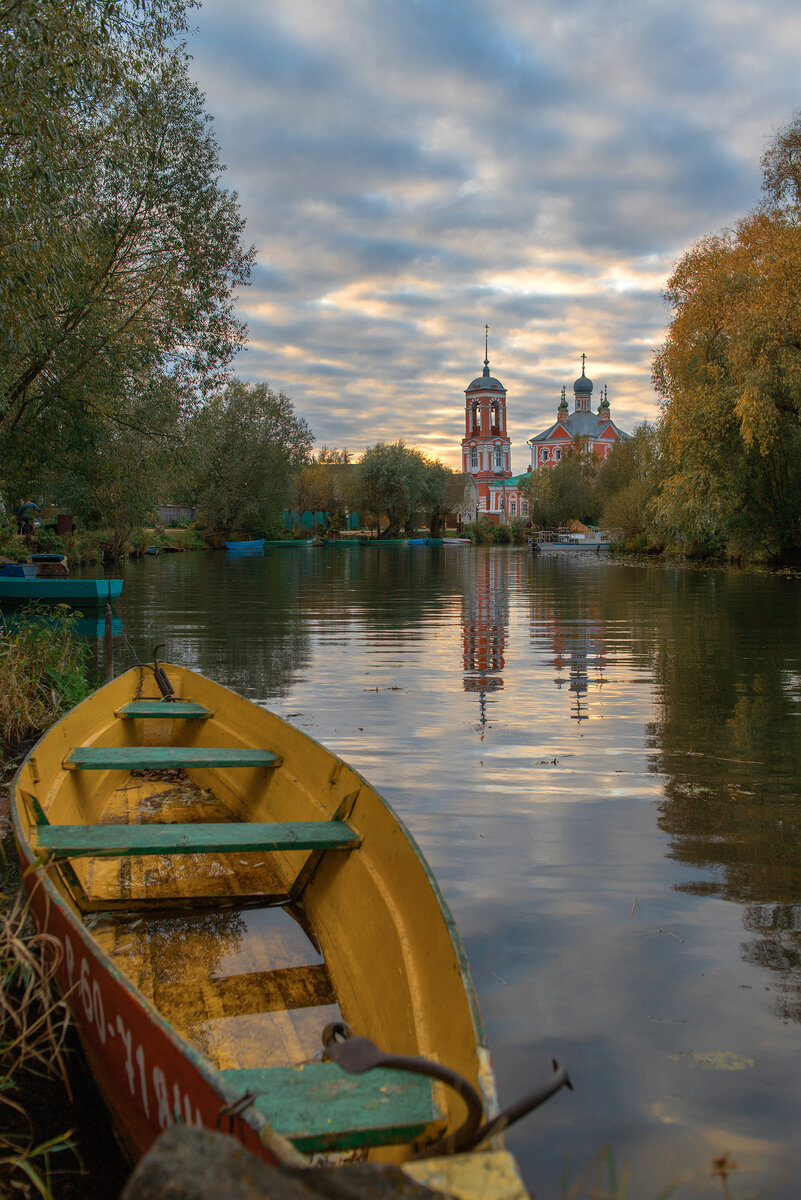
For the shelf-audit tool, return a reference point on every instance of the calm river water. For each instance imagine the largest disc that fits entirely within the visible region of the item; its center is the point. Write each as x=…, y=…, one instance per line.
x=601, y=763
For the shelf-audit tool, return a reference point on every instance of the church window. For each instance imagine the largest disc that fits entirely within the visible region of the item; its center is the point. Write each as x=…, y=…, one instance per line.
x=545, y=454
x=474, y=457
x=498, y=458
x=524, y=508
x=513, y=507
x=558, y=455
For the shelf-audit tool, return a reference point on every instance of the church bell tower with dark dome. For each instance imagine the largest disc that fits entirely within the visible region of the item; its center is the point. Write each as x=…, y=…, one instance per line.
x=486, y=449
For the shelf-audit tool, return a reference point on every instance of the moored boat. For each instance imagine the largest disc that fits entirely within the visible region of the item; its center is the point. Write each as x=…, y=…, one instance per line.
x=70, y=591
x=215, y=922
x=23, y=570
x=456, y=541
x=568, y=542
x=252, y=544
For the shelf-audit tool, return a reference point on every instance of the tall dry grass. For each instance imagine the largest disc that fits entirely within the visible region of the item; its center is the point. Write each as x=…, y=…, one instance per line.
x=33, y=1027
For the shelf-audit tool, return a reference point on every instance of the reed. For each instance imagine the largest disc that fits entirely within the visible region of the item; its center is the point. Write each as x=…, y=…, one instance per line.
x=34, y=1021
x=42, y=671
x=601, y=1179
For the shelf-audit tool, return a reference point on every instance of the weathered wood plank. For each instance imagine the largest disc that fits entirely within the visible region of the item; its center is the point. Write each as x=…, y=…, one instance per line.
x=75, y=841
x=164, y=710
x=159, y=758
x=321, y=1107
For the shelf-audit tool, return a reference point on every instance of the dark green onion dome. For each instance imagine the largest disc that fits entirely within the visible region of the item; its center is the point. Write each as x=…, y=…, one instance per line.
x=583, y=385
x=563, y=405
x=604, y=404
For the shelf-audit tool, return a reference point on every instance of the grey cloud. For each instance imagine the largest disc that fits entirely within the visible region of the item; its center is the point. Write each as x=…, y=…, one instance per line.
x=413, y=168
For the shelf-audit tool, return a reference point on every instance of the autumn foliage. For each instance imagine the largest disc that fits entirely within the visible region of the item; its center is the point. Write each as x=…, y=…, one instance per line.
x=729, y=376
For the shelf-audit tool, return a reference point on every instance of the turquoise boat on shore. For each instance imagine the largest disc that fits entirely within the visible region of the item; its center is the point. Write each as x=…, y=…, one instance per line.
x=68, y=591
x=253, y=544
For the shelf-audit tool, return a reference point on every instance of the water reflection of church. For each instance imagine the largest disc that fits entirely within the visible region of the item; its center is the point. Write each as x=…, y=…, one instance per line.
x=579, y=658
x=485, y=620
x=576, y=643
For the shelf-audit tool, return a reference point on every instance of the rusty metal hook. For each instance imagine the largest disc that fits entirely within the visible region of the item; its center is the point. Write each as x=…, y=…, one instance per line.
x=359, y=1054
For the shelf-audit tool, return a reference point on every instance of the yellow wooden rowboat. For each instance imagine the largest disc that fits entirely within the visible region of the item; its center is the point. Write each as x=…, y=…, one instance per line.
x=223, y=889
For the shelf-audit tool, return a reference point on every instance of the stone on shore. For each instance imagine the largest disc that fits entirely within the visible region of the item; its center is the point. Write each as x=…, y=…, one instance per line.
x=196, y=1164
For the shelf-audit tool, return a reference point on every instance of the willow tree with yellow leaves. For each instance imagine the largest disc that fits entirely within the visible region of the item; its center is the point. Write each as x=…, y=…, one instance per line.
x=729, y=375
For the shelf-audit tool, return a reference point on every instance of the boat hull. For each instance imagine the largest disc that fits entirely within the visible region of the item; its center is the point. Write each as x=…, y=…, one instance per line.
x=146, y=1077
x=255, y=544
x=76, y=591
x=388, y=940
x=574, y=548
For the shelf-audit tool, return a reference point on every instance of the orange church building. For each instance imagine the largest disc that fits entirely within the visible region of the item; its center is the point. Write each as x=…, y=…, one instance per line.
x=597, y=431
x=486, y=449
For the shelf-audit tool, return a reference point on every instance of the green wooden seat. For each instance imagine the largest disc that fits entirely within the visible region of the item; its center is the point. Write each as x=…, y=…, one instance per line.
x=321, y=1107
x=160, y=758
x=110, y=841
x=164, y=710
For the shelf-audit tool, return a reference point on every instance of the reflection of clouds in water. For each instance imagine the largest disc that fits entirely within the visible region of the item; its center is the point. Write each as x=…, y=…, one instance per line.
x=544, y=832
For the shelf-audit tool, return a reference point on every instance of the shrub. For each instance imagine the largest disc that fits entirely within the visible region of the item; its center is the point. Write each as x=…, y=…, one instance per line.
x=84, y=547
x=479, y=532
x=521, y=531
x=42, y=671
x=49, y=542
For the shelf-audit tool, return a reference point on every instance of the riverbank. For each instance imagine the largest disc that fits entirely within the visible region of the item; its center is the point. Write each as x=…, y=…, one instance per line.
x=52, y=1122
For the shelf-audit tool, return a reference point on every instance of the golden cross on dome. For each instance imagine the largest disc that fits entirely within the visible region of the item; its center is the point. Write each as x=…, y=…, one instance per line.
x=583, y=360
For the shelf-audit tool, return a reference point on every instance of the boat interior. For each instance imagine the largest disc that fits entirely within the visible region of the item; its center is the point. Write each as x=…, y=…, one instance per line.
x=246, y=882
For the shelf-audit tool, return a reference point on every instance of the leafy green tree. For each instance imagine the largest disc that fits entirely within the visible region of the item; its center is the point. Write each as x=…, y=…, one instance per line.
x=628, y=482
x=247, y=446
x=389, y=481
x=119, y=250
x=562, y=493
x=442, y=491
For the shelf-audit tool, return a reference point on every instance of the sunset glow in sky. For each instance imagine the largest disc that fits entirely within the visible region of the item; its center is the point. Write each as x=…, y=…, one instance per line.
x=413, y=169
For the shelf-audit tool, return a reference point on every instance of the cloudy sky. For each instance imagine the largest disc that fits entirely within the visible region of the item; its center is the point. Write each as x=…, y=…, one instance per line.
x=413, y=169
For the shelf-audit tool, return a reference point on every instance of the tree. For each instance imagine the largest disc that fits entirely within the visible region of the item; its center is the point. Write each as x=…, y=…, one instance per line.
x=561, y=493
x=389, y=481
x=442, y=491
x=247, y=446
x=120, y=250
x=628, y=482
x=729, y=375
x=323, y=485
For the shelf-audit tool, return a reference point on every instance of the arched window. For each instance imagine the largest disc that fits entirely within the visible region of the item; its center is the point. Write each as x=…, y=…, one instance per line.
x=498, y=458
x=474, y=457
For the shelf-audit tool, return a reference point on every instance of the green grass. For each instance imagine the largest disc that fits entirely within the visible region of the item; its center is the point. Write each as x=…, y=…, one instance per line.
x=42, y=671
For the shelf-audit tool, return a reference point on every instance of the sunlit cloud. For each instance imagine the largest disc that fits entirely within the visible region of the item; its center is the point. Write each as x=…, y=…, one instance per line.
x=413, y=169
